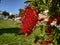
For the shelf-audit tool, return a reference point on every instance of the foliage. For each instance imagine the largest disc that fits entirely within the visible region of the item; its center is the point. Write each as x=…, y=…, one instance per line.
x=52, y=5
x=41, y=5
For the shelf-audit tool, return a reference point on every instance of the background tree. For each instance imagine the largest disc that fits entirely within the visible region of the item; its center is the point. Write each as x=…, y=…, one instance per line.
x=20, y=11
x=5, y=13
x=11, y=16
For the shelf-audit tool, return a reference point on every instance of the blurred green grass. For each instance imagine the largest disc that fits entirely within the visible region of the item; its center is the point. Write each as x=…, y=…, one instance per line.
x=9, y=34
x=7, y=24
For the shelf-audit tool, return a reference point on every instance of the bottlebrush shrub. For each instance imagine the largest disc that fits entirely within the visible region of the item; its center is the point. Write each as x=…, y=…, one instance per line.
x=49, y=30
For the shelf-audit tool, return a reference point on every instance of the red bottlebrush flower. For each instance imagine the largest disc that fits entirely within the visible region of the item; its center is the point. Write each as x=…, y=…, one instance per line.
x=43, y=43
x=58, y=20
x=47, y=41
x=50, y=20
x=48, y=31
x=29, y=21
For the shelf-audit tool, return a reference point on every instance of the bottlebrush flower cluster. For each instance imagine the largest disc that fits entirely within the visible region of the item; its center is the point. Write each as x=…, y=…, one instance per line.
x=54, y=21
x=29, y=20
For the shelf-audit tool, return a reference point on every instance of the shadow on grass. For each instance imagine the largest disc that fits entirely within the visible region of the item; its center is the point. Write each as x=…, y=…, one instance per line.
x=9, y=30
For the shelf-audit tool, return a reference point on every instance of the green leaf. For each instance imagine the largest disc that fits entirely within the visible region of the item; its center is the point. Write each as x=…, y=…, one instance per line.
x=44, y=1
x=57, y=30
x=27, y=1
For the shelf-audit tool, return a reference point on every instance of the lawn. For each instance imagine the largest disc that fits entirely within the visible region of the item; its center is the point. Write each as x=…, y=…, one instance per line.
x=9, y=34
